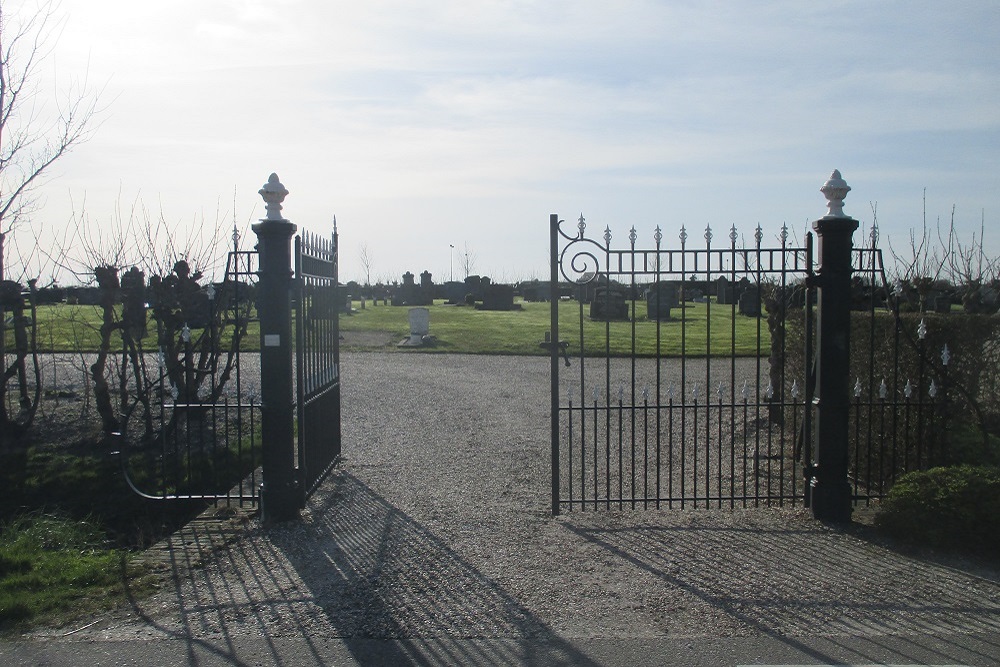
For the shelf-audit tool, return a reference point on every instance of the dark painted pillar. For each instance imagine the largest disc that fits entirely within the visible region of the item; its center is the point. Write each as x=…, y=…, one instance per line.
x=279, y=491
x=830, y=489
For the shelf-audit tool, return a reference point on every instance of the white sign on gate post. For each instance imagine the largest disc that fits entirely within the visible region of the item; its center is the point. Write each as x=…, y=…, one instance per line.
x=420, y=321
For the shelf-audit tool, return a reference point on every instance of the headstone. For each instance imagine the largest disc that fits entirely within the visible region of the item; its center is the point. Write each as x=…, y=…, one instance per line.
x=660, y=298
x=723, y=290
x=454, y=291
x=420, y=321
x=473, y=286
x=498, y=297
x=692, y=293
x=608, y=304
x=133, y=284
x=750, y=302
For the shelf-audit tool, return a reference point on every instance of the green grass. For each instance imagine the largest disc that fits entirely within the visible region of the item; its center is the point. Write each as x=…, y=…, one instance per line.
x=693, y=330
x=461, y=329
x=55, y=569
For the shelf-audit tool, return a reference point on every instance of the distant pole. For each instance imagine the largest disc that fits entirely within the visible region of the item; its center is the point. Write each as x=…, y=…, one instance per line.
x=830, y=490
x=279, y=492
x=451, y=263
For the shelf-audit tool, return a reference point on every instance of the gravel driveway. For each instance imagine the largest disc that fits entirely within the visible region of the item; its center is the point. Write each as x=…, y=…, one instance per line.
x=437, y=524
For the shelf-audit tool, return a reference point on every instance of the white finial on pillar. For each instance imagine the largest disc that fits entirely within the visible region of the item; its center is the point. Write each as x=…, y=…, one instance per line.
x=273, y=193
x=835, y=189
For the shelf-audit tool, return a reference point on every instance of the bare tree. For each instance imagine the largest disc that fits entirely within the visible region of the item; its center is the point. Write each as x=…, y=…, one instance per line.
x=367, y=261
x=923, y=265
x=31, y=141
x=468, y=260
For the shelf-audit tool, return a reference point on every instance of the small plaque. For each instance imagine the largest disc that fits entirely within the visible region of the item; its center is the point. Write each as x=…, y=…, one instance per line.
x=272, y=340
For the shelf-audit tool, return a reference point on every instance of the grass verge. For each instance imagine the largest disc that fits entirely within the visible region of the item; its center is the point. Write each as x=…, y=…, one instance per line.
x=54, y=569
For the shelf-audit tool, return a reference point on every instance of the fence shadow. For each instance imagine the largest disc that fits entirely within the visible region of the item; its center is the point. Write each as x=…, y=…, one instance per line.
x=793, y=583
x=355, y=568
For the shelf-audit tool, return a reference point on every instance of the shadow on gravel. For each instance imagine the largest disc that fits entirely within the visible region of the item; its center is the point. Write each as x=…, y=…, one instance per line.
x=378, y=574
x=805, y=582
x=358, y=571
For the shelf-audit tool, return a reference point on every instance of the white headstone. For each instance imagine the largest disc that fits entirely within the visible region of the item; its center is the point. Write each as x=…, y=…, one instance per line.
x=420, y=323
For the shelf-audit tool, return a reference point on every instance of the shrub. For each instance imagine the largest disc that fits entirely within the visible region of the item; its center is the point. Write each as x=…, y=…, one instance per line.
x=954, y=508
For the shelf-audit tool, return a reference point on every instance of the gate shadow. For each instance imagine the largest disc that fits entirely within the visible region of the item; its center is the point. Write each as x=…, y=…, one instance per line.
x=378, y=574
x=800, y=584
x=358, y=571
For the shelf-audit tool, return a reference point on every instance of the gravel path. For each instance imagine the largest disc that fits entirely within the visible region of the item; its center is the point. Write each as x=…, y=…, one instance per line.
x=437, y=524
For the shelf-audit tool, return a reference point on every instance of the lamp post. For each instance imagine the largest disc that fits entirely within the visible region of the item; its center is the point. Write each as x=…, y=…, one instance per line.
x=451, y=263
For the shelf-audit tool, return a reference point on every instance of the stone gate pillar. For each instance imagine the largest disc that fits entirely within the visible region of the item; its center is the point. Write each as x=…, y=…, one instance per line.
x=279, y=492
x=830, y=491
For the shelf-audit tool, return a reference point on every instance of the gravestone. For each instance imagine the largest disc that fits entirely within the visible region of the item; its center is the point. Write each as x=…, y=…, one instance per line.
x=454, y=291
x=750, y=302
x=608, y=304
x=420, y=321
x=498, y=297
x=723, y=290
x=133, y=284
x=660, y=298
x=692, y=293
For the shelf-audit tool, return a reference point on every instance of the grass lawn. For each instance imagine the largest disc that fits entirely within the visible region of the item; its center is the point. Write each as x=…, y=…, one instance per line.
x=463, y=329
x=692, y=330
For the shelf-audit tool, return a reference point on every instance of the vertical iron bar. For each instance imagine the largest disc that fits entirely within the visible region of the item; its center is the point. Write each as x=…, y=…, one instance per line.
x=554, y=359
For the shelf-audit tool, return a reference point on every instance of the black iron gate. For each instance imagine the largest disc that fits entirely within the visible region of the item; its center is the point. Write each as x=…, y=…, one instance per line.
x=227, y=430
x=680, y=395
x=686, y=376
x=317, y=357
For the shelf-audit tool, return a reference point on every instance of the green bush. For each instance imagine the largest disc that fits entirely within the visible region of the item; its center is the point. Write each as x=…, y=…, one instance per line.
x=954, y=508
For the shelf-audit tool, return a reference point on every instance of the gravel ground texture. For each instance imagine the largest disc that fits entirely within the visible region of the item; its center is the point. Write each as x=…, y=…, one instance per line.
x=436, y=524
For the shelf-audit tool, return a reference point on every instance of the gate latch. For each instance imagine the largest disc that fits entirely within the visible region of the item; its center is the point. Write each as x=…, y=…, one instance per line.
x=563, y=346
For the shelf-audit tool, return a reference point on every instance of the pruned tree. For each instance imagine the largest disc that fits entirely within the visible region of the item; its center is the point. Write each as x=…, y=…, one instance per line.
x=34, y=133
x=137, y=260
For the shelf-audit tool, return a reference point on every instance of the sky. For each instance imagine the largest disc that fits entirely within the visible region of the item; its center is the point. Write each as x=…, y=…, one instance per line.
x=436, y=131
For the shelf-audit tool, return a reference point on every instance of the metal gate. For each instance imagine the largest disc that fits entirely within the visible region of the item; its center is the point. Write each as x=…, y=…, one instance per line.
x=191, y=430
x=317, y=357
x=676, y=391
x=689, y=373
x=207, y=442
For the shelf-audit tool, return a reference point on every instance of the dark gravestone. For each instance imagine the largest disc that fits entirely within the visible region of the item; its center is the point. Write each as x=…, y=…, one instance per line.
x=692, y=293
x=608, y=304
x=660, y=298
x=498, y=297
x=473, y=286
x=723, y=290
x=454, y=291
x=750, y=302
x=134, y=303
